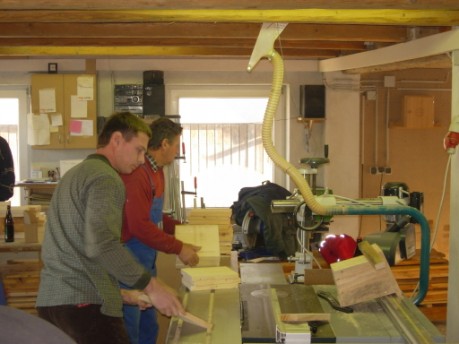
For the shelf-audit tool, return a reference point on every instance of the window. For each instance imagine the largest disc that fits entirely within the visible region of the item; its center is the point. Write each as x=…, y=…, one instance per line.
x=222, y=139
x=225, y=151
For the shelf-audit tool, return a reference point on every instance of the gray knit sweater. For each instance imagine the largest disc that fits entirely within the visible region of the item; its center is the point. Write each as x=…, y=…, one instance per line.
x=82, y=254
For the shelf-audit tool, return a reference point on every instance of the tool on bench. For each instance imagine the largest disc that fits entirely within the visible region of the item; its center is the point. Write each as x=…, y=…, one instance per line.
x=333, y=302
x=188, y=317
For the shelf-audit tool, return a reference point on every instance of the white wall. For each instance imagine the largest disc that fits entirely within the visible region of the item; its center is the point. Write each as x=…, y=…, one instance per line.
x=342, y=134
x=453, y=276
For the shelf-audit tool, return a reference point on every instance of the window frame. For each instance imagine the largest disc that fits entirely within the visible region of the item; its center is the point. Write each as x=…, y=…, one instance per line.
x=281, y=124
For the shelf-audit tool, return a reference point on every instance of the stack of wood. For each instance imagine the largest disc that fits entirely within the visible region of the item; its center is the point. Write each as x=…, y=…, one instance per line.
x=20, y=281
x=204, y=236
x=219, y=277
x=407, y=275
x=215, y=216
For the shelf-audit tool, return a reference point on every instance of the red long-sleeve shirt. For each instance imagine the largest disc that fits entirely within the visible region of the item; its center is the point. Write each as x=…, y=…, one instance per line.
x=136, y=217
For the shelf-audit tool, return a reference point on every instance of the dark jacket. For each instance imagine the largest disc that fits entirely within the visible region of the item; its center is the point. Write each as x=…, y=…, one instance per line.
x=7, y=177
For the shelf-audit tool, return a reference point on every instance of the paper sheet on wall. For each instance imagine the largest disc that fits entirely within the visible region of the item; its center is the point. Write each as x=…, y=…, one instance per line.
x=56, y=120
x=85, y=88
x=83, y=127
x=38, y=129
x=47, y=100
x=78, y=107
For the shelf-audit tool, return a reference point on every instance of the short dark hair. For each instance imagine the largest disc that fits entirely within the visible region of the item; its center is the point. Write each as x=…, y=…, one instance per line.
x=163, y=128
x=128, y=124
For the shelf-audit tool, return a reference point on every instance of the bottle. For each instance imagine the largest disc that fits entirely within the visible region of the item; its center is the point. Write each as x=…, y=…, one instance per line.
x=9, y=225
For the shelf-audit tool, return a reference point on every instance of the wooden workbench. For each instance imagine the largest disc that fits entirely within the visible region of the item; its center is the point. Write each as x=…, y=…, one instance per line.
x=38, y=192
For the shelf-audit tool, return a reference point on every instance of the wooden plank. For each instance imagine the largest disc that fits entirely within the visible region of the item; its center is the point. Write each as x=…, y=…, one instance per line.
x=215, y=216
x=193, y=319
x=304, y=317
x=357, y=280
x=372, y=255
x=204, y=236
x=188, y=317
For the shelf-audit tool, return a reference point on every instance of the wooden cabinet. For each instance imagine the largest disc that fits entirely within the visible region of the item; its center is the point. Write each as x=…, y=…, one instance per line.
x=69, y=101
x=419, y=111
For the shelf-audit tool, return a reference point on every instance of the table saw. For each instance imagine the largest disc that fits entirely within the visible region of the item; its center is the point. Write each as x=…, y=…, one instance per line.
x=252, y=313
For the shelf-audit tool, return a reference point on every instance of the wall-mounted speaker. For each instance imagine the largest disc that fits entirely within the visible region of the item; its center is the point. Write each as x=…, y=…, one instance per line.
x=312, y=101
x=154, y=103
x=153, y=93
x=155, y=77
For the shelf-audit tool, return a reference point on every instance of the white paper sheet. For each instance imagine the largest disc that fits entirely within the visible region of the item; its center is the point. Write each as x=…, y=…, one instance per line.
x=85, y=88
x=78, y=107
x=38, y=129
x=47, y=100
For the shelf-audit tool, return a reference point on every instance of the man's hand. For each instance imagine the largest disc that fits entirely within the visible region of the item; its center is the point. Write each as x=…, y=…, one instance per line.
x=164, y=298
x=132, y=297
x=188, y=254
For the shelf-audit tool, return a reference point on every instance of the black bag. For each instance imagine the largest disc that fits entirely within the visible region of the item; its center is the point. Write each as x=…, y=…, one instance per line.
x=279, y=235
x=267, y=191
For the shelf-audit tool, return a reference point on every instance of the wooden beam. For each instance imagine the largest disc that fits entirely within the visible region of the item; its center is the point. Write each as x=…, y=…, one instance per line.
x=442, y=61
x=318, y=16
x=129, y=51
x=300, y=32
x=225, y=4
x=421, y=48
x=234, y=43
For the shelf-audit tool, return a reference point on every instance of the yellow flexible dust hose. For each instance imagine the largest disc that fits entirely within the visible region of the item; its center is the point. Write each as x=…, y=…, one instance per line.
x=292, y=171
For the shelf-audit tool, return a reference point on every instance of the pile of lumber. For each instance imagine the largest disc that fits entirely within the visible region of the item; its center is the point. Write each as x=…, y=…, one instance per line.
x=218, y=277
x=215, y=216
x=407, y=275
x=20, y=281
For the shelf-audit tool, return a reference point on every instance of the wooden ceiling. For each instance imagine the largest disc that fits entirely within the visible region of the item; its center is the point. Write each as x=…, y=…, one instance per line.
x=317, y=29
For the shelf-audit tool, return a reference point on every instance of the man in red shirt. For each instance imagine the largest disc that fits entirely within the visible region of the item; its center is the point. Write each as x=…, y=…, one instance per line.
x=143, y=219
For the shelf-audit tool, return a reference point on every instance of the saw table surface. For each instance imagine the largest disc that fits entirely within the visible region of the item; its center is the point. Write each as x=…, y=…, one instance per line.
x=245, y=314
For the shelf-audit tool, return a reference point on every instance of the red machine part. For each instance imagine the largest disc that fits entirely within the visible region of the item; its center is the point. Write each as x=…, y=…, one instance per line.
x=335, y=248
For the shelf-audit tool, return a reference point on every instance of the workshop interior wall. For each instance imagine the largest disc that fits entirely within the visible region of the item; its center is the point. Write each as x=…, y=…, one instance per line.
x=415, y=156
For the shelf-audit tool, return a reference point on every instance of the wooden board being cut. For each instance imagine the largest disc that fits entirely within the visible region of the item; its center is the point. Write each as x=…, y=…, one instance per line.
x=205, y=236
x=357, y=280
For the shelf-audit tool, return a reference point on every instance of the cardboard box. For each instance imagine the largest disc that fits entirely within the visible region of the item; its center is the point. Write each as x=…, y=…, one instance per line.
x=34, y=226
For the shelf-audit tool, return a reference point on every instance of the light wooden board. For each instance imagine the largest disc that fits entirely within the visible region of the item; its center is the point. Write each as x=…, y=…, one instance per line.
x=357, y=280
x=304, y=317
x=220, y=277
x=204, y=236
x=215, y=216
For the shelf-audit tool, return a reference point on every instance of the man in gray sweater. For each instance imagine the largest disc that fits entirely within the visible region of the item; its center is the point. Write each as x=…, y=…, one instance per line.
x=82, y=254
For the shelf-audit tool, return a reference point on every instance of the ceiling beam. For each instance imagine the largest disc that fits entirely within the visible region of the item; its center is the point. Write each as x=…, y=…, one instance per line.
x=164, y=51
x=420, y=48
x=133, y=42
x=225, y=4
x=299, y=32
x=439, y=61
x=318, y=16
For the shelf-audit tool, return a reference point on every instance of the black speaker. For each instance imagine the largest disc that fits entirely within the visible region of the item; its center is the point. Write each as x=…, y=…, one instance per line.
x=154, y=100
x=155, y=77
x=312, y=101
